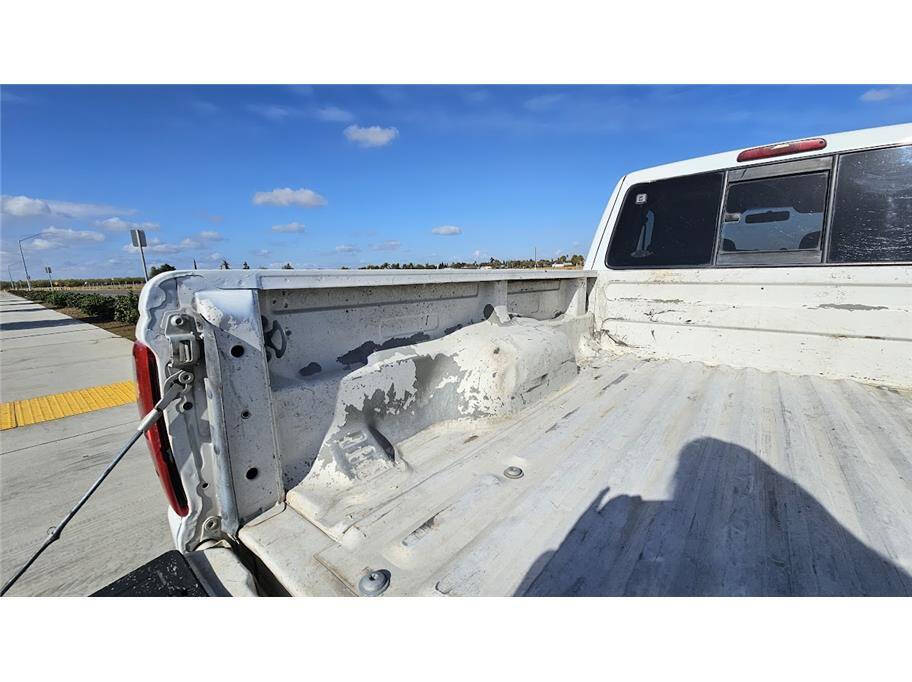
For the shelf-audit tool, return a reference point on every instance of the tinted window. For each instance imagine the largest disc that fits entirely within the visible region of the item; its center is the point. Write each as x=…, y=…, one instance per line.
x=668, y=222
x=872, y=212
x=775, y=214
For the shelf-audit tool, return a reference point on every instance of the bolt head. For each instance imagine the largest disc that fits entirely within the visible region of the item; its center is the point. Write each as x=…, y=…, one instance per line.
x=374, y=583
x=513, y=472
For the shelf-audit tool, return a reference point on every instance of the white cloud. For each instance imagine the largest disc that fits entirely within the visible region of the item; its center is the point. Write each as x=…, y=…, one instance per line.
x=156, y=245
x=289, y=227
x=27, y=206
x=121, y=225
x=477, y=96
x=447, y=230
x=347, y=248
x=392, y=94
x=211, y=236
x=388, y=245
x=261, y=252
x=478, y=254
x=880, y=94
x=189, y=243
x=288, y=197
x=204, y=107
x=373, y=136
x=334, y=114
x=274, y=112
x=42, y=244
x=70, y=235
x=542, y=102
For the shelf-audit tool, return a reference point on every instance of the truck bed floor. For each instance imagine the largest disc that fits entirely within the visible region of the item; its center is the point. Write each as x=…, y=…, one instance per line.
x=641, y=478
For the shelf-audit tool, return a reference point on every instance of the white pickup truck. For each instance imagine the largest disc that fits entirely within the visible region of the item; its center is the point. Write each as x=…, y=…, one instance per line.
x=718, y=404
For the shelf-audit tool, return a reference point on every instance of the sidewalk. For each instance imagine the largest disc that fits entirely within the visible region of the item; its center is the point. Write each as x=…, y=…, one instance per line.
x=45, y=467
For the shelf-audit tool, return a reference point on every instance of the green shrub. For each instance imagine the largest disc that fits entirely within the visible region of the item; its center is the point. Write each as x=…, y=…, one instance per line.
x=126, y=308
x=57, y=299
x=73, y=299
x=98, y=306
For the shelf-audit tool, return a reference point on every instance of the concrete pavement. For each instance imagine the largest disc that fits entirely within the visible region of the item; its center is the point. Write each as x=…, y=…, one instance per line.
x=46, y=467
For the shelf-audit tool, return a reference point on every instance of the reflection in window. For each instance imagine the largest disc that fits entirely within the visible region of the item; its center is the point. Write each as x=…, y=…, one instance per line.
x=668, y=223
x=642, y=250
x=775, y=214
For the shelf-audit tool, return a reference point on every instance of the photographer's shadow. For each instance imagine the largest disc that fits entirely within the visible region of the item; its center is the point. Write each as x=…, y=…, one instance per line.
x=733, y=527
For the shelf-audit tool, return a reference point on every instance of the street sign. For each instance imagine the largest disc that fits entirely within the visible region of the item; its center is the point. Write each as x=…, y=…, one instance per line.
x=139, y=241
x=47, y=269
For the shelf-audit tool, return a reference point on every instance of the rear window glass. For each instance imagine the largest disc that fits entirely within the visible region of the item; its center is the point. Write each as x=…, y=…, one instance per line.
x=872, y=211
x=775, y=214
x=667, y=223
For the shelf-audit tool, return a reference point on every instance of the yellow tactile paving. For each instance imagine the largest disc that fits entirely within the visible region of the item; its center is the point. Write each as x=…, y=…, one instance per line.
x=58, y=405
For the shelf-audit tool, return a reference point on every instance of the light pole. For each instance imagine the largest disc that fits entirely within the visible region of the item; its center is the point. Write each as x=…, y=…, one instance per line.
x=28, y=280
x=9, y=269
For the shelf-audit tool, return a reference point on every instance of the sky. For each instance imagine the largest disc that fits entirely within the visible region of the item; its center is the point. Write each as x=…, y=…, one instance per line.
x=329, y=176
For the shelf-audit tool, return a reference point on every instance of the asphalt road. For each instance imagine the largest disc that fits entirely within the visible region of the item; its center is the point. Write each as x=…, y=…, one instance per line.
x=45, y=468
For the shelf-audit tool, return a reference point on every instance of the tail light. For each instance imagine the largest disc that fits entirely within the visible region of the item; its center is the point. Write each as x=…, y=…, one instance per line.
x=157, y=436
x=782, y=149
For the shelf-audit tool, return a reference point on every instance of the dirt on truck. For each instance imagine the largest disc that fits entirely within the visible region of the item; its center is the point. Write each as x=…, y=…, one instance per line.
x=720, y=403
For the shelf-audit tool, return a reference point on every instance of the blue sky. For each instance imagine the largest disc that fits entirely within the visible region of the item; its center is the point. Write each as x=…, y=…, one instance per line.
x=326, y=176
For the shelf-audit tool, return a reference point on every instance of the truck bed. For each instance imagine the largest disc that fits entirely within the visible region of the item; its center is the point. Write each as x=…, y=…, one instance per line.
x=641, y=477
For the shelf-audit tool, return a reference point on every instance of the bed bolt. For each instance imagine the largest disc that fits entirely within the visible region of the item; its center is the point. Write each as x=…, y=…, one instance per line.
x=374, y=583
x=513, y=472
x=178, y=321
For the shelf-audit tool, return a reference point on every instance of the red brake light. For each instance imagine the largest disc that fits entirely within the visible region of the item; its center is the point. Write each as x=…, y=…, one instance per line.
x=782, y=149
x=157, y=436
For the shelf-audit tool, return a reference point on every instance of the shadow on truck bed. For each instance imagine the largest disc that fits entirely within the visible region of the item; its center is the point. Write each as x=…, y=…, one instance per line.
x=734, y=526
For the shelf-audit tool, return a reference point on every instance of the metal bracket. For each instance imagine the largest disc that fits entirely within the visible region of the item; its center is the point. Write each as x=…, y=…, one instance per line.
x=184, y=339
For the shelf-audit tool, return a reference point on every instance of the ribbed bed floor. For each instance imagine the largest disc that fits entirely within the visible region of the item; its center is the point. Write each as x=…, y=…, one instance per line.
x=642, y=478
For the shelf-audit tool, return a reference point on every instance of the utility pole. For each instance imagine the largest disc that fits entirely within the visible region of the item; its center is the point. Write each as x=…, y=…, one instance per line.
x=139, y=241
x=28, y=280
x=9, y=269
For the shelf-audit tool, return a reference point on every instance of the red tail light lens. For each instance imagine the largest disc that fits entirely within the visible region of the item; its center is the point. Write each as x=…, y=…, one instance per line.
x=783, y=149
x=157, y=436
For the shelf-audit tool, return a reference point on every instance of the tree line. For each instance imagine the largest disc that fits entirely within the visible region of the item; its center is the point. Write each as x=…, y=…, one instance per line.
x=573, y=261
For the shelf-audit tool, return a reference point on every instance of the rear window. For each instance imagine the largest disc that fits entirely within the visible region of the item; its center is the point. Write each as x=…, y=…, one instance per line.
x=872, y=212
x=775, y=214
x=668, y=223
